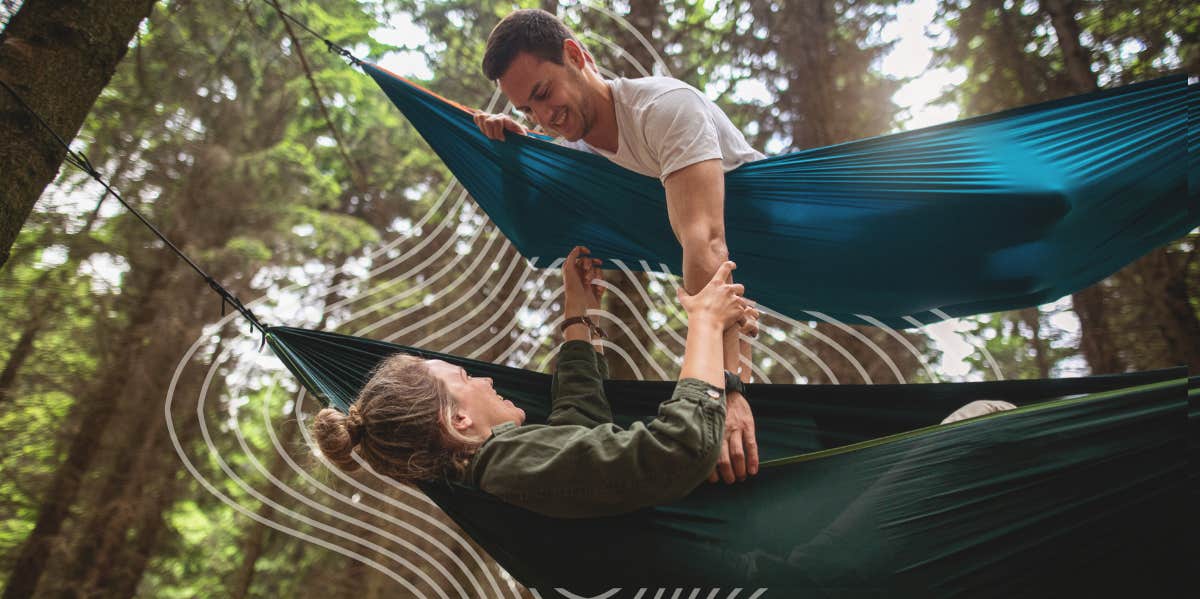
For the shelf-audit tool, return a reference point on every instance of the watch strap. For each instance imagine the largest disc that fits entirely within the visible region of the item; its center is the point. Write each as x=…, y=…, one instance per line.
x=734, y=383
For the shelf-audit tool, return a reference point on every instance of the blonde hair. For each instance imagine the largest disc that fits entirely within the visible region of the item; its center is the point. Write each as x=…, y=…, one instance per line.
x=400, y=424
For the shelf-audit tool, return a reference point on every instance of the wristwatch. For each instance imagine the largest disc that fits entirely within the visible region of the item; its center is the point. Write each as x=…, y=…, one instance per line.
x=734, y=383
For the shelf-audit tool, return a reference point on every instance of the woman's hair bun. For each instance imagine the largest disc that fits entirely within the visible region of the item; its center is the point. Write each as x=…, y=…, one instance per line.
x=338, y=435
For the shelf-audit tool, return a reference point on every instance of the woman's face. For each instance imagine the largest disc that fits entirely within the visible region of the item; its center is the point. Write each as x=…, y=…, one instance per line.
x=476, y=397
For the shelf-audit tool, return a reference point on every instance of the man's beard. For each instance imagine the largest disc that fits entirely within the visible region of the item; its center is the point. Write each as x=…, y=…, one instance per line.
x=584, y=114
x=583, y=110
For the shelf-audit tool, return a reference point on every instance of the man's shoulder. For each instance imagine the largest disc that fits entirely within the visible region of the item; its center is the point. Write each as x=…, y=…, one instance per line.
x=645, y=90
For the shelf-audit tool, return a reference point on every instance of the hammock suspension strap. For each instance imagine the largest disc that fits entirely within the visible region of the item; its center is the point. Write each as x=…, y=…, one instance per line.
x=80, y=160
x=329, y=45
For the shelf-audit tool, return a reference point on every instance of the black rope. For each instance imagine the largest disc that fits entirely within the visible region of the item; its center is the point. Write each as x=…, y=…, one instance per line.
x=80, y=161
x=329, y=45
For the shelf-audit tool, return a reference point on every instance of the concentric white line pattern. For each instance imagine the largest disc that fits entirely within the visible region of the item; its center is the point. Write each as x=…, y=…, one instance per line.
x=465, y=230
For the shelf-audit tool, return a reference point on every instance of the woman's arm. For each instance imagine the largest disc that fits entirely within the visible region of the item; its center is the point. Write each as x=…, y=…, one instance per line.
x=577, y=389
x=584, y=472
x=716, y=307
x=575, y=471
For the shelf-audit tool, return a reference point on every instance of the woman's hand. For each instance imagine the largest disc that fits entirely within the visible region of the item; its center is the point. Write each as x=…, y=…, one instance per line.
x=719, y=301
x=592, y=277
x=749, y=323
x=580, y=271
x=737, y=347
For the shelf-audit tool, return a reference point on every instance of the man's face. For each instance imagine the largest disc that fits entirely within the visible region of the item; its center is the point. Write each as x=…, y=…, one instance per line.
x=554, y=96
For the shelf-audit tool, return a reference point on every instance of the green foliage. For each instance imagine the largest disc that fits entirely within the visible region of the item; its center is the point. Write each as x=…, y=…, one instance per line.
x=1024, y=344
x=1008, y=51
x=212, y=129
x=1139, y=40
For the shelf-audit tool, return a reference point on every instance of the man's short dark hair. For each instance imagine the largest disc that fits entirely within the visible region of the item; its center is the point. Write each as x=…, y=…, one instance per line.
x=527, y=30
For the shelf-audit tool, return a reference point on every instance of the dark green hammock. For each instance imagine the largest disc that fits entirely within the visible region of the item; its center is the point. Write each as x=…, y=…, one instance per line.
x=992, y=213
x=1083, y=487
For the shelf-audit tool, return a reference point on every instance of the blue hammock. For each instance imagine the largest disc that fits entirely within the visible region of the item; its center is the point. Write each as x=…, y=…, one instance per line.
x=992, y=213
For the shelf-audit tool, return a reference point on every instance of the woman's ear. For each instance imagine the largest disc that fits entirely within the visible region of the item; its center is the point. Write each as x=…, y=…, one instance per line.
x=461, y=421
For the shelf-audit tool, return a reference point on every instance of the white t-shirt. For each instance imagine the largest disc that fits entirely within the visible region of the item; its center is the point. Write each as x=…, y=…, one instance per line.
x=664, y=124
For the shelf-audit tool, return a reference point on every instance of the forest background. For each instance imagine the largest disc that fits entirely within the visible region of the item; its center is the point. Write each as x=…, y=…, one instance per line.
x=144, y=439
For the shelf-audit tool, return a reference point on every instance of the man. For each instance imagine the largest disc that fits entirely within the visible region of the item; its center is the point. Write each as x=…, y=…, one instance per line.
x=656, y=126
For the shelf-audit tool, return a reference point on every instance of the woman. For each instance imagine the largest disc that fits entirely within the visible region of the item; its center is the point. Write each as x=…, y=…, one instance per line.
x=427, y=419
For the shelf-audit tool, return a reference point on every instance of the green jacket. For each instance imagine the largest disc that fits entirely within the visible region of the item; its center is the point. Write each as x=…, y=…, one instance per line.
x=581, y=465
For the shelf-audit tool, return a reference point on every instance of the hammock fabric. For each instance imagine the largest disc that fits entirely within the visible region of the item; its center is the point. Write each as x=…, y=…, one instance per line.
x=987, y=214
x=859, y=490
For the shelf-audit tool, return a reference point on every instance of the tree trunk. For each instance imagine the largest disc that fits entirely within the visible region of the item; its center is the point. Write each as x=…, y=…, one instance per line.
x=124, y=583
x=810, y=85
x=47, y=303
x=1167, y=331
x=121, y=582
x=1032, y=317
x=1096, y=339
x=1177, y=320
x=101, y=546
x=1015, y=55
x=98, y=408
x=113, y=508
x=1092, y=305
x=253, y=544
x=17, y=357
x=58, y=55
x=1077, y=58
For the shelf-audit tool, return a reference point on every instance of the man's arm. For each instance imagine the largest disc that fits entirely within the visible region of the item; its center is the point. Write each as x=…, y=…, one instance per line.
x=696, y=207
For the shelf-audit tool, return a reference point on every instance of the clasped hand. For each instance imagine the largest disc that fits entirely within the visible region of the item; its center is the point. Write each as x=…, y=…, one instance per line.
x=739, y=449
x=581, y=281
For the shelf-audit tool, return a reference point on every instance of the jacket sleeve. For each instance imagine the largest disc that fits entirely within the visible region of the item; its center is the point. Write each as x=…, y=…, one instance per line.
x=577, y=389
x=580, y=472
x=602, y=365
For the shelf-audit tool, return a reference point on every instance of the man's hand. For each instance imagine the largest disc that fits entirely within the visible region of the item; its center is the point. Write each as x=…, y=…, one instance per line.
x=749, y=330
x=739, y=455
x=494, y=125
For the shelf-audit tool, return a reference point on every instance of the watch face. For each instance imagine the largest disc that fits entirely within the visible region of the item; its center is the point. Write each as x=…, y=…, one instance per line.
x=733, y=383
